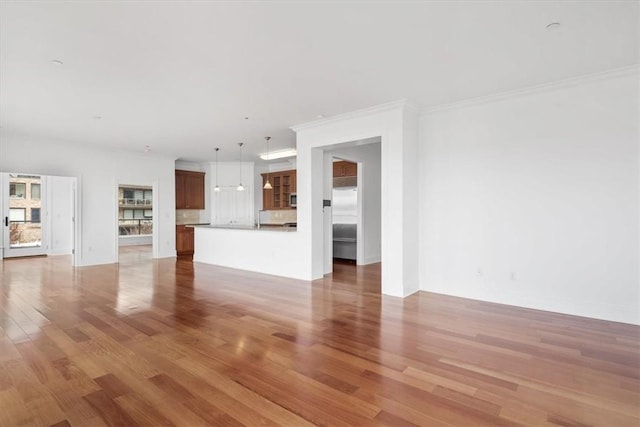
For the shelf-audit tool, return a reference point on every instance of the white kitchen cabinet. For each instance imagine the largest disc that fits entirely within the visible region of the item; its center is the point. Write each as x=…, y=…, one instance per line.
x=231, y=206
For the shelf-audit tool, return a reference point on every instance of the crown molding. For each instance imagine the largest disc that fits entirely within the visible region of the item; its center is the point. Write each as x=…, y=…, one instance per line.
x=544, y=87
x=402, y=103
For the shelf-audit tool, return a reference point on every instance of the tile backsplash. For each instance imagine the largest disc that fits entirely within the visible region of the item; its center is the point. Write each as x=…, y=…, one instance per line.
x=187, y=216
x=277, y=217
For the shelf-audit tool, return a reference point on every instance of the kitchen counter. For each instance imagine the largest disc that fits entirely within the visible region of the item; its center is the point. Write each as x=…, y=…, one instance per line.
x=268, y=249
x=263, y=227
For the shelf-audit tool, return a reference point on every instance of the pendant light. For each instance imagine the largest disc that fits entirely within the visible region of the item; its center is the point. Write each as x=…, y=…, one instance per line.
x=240, y=186
x=267, y=185
x=217, y=189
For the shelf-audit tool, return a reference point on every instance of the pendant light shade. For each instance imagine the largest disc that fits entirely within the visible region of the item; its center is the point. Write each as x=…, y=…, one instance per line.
x=267, y=185
x=217, y=189
x=240, y=186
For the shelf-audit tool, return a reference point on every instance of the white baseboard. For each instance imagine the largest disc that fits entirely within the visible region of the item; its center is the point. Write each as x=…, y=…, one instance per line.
x=135, y=240
x=59, y=252
x=372, y=260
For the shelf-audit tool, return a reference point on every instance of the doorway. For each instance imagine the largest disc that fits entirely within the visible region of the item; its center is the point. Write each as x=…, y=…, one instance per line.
x=353, y=209
x=136, y=221
x=24, y=230
x=38, y=214
x=136, y=228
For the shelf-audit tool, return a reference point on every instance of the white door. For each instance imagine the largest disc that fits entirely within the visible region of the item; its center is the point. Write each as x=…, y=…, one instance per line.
x=24, y=214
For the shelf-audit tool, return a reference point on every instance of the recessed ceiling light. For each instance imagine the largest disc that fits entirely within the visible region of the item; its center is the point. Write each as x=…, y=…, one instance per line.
x=553, y=26
x=57, y=62
x=279, y=154
x=147, y=148
x=97, y=117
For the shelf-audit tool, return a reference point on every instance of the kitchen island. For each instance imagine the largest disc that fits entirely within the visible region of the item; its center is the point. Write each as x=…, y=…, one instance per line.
x=265, y=249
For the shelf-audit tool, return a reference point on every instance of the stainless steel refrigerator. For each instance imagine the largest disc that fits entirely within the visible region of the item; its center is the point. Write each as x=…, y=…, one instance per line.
x=345, y=222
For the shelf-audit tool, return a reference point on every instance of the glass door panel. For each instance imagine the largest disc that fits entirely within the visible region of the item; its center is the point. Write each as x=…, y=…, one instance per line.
x=24, y=214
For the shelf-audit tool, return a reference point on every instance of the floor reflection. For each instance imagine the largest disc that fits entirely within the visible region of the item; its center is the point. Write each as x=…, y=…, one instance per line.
x=134, y=290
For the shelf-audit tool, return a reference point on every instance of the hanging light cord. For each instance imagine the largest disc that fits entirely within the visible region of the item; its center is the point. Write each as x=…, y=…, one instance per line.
x=217, y=187
x=267, y=185
x=240, y=187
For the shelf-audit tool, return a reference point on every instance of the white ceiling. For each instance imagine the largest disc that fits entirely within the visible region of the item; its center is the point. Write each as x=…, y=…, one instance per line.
x=181, y=76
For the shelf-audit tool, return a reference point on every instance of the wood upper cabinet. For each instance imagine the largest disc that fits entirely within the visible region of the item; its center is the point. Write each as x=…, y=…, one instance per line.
x=184, y=240
x=189, y=190
x=344, y=168
x=283, y=183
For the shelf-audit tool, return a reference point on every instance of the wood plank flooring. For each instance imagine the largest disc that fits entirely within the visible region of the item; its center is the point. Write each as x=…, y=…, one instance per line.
x=166, y=342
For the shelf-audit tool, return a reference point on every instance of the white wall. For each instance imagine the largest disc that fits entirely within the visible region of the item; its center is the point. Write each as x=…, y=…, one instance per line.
x=60, y=214
x=98, y=172
x=391, y=122
x=532, y=199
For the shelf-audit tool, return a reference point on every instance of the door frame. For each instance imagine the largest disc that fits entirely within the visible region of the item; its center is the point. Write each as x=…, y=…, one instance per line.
x=154, y=221
x=43, y=249
x=46, y=214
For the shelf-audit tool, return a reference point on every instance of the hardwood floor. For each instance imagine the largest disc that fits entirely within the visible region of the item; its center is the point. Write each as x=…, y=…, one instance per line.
x=175, y=343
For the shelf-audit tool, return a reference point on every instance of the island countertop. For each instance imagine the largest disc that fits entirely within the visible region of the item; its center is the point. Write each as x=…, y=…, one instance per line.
x=263, y=227
x=270, y=250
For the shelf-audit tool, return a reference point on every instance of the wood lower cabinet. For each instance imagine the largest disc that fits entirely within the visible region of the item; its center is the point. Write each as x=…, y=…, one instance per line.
x=184, y=240
x=284, y=184
x=189, y=190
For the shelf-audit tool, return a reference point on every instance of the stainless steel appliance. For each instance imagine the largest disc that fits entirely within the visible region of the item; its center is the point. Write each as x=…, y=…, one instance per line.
x=345, y=222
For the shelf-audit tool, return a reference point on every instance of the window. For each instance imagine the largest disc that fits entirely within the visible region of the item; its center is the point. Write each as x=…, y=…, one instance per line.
x=35, y=214
x=17, y=214
x=17, y=190
x=148, y=213
x=148, y=194
x=35, y=191
x=127, y=193
x=136, y=213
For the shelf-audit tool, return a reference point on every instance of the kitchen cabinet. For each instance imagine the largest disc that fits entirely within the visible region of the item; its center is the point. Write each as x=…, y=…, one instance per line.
x=344, y=168
x=189, y=190
x=233, y=207
x=184, y=240
x=283, y=183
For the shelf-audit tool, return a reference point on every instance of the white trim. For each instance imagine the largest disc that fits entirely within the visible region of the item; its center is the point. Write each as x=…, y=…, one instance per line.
x=77, y=222
x=155, y=221
x=485, y=99
x=372, y=260
x=355, y=114
x=136, y=240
